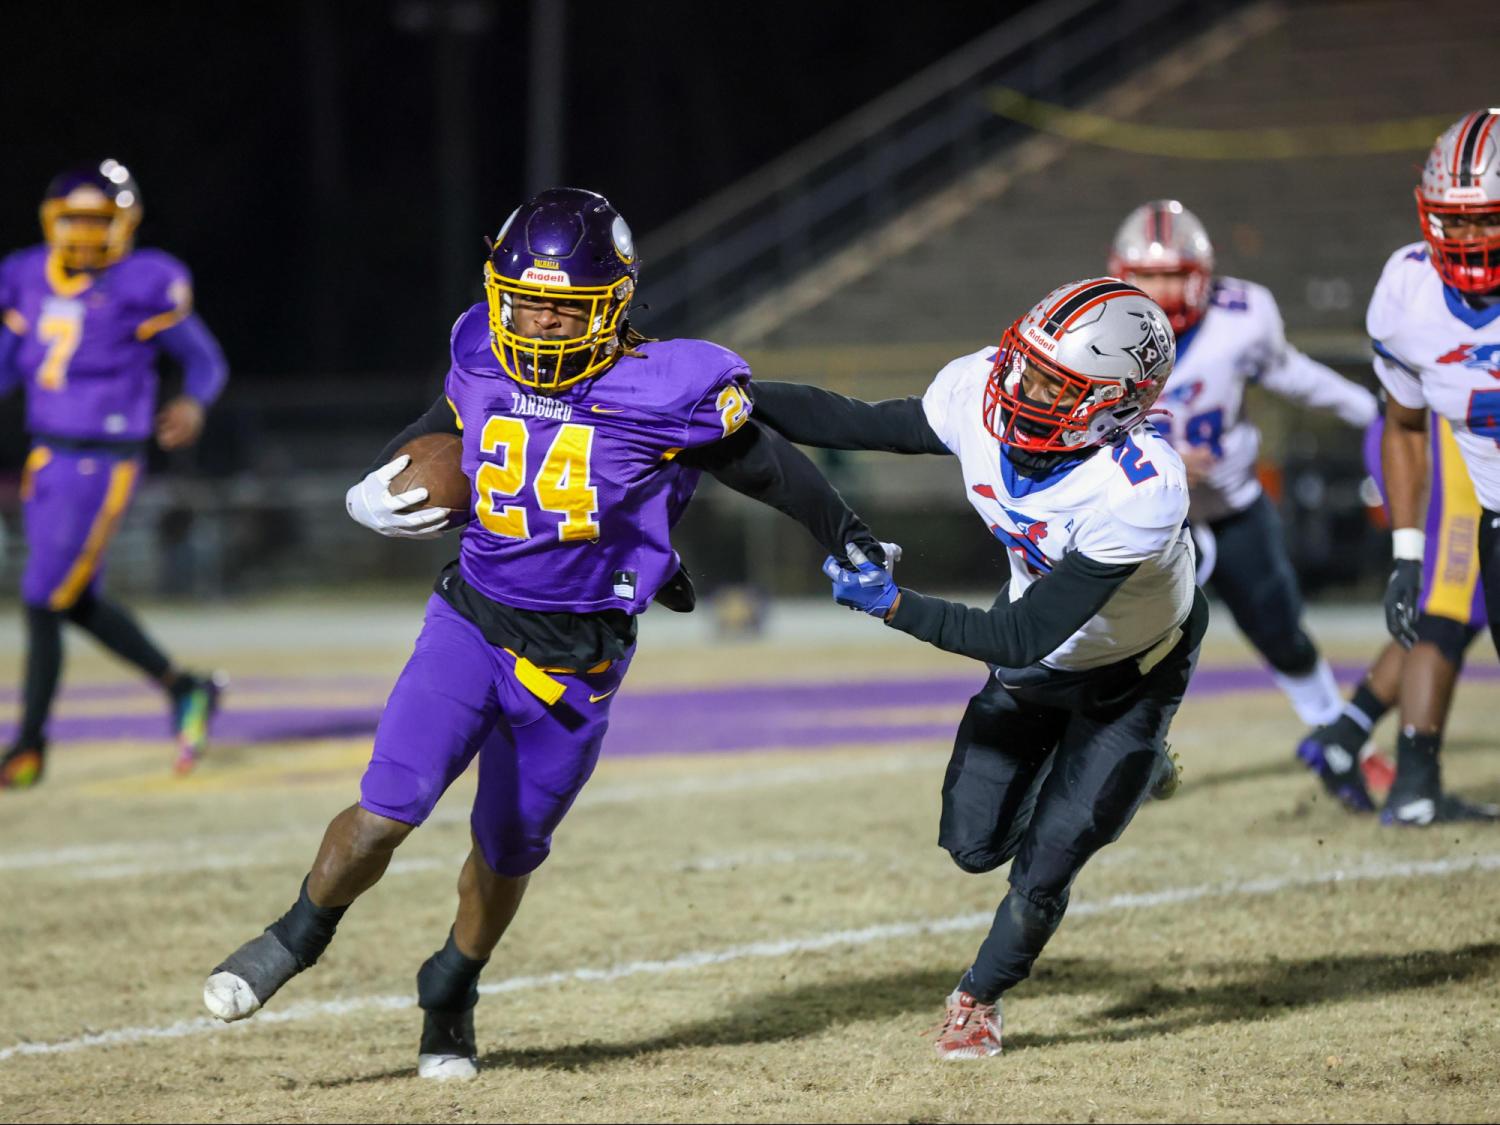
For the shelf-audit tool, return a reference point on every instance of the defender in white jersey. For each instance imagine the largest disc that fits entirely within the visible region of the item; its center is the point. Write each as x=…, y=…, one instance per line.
x=1230, y=337
x=1434, y=320
x=1093, y=641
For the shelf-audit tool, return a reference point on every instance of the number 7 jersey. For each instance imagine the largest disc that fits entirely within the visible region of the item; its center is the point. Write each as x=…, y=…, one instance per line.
x=1433, y=351
x=574, y=494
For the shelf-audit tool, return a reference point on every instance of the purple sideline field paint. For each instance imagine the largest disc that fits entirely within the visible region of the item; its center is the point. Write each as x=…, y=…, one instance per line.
x=715, y=719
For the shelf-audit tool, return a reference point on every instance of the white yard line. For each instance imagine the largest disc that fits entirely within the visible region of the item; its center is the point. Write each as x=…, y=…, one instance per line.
x=699, y=959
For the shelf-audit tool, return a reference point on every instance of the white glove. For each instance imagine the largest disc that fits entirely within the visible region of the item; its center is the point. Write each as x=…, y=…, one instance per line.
x=371, y=504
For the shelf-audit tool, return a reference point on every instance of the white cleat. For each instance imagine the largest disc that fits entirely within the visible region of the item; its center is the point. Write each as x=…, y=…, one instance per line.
x=444, y=1067
x=240, y=985
x=229, y=997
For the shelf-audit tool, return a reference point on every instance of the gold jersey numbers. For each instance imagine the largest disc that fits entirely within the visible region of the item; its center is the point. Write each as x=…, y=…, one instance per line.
x=734, y=408
x=563, y=484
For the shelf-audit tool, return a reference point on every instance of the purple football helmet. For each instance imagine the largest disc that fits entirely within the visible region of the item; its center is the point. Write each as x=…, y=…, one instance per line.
x=89, y=215
x=566, y=244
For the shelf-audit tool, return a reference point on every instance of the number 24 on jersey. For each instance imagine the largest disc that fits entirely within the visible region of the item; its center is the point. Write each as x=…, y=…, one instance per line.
x=562, y=485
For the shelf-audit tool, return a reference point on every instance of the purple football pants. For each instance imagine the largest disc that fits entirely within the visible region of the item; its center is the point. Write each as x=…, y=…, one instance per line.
x=459, y=696
x=72, y=504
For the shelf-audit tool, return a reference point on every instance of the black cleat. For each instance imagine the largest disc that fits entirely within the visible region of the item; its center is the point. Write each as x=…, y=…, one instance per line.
x=1337, y=769
x=448, y=1049
x=1445, y=808
x=249, y=977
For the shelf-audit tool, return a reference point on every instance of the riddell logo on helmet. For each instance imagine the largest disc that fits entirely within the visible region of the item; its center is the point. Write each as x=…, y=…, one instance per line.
x=545, y=277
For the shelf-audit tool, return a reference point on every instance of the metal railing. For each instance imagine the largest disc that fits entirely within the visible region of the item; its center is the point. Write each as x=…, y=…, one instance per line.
x=917, y=136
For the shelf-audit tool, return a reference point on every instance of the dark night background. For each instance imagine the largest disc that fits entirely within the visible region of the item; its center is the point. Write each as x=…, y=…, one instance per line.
x=307, y=160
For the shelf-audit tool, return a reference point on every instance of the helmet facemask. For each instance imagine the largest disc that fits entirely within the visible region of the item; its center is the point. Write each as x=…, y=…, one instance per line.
x=87, y=230
x=551, y=364
x=1040, y=406
x=1464, y=241
x=1183, y=310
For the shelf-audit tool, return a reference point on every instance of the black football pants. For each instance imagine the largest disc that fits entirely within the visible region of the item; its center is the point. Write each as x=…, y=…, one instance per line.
x=1047, y=768
x=1254, y=578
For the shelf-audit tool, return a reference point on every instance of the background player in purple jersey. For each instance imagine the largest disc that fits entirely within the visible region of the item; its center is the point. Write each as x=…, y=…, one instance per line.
x=86, y=317
x=583, y=442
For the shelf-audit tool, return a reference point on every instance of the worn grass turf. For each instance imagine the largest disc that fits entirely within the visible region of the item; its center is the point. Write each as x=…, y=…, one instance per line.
x=756, y=920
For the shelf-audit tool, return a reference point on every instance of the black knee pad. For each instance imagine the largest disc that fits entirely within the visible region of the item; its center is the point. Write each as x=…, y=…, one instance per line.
x=1034, y=911
x=976, y=861
x=1451, y=638
x=1291, y=654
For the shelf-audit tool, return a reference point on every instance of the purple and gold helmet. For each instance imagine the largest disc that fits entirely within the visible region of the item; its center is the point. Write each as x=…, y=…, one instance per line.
x=89, y=215
x=569, y=245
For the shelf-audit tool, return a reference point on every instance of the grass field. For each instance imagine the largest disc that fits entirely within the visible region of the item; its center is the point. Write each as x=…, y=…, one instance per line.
x=746, y=916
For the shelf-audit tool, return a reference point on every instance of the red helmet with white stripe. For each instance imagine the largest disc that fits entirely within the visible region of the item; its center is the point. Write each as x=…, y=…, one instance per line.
x=1458, y=203
x=1082, y=367
x=1160, y=238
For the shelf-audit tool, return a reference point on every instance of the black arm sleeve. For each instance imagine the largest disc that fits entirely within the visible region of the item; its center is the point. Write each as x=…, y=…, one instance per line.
x=813, y=416
x=763, y=465
x=439, y=419
x=1019, y=633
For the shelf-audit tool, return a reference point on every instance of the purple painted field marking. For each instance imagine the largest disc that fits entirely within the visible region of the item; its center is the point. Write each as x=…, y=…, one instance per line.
x=677, y=720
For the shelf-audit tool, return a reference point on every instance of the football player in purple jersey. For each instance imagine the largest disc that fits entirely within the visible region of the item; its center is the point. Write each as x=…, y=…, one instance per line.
x=583, y=441
x=86, y=317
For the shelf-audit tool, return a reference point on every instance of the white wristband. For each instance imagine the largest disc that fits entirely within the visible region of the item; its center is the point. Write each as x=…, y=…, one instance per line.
x=1408, y=543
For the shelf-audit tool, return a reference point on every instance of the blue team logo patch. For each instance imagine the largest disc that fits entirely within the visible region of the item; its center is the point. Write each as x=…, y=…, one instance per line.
x=1025, y=541
x=1184, y=394
x=1476, y=357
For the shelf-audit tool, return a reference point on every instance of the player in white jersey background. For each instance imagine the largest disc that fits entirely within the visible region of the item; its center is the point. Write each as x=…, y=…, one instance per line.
x=1230, y=337
x=1434, y=320
x=1092, y=642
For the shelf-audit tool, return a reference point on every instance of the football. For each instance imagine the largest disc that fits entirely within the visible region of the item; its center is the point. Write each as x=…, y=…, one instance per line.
x=436, y=465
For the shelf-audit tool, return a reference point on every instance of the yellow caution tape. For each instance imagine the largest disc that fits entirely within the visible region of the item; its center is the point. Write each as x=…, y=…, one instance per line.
x=1269, y=143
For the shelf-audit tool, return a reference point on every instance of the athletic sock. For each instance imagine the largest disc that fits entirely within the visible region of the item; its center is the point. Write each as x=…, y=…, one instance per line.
x=115, y=628
x=43, y=669
x=1314, y=695
x=448, y=981
x=1355, y=724
x=306, y=929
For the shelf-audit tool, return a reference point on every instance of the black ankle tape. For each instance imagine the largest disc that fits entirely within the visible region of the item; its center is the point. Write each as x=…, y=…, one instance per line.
x=448, y=981
x=306, y=929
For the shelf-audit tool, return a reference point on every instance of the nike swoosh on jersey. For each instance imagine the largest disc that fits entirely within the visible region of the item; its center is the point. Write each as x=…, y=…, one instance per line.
x=599, y=698
x=597, y=409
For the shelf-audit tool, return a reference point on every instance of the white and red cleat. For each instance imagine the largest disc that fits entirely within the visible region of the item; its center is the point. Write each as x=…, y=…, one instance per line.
x=970, y=1030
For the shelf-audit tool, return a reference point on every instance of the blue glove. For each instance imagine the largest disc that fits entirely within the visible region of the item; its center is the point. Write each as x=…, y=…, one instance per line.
x=868, y=587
